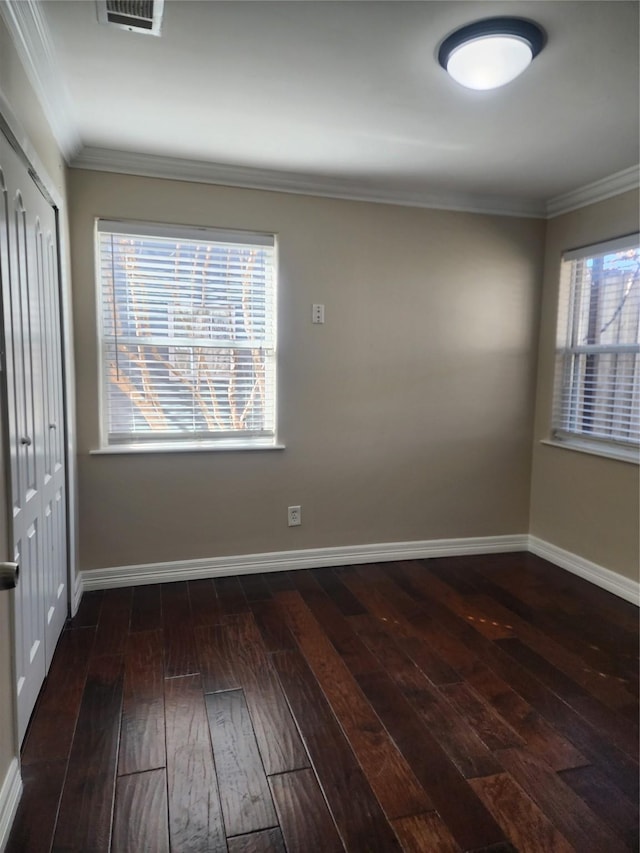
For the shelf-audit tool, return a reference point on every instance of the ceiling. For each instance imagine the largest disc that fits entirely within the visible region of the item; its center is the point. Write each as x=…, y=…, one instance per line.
x=350, y=93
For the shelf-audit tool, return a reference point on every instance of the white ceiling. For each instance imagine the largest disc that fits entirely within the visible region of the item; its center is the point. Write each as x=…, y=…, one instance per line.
x=351, y=91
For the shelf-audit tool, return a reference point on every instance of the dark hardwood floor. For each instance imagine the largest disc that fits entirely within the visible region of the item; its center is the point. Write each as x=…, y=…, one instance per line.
x=460, y=704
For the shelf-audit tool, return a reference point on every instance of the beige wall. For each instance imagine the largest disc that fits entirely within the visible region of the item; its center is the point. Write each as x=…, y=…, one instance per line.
x=24, y=105
x=407, y=416
x=585, y=504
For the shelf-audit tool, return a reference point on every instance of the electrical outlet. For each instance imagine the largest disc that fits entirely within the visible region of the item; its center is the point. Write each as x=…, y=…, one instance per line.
x=317, y=313
x=294, y=515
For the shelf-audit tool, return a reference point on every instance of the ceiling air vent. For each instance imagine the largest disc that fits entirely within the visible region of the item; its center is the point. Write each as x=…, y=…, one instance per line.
x=137, y=16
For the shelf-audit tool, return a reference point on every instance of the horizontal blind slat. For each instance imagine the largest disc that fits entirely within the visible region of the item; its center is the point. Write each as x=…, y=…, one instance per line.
x=599, y=343
x=188, y=333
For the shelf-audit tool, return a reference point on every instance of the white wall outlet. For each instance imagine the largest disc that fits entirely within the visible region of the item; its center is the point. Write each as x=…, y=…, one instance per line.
x=294, y=516
x=317, y=313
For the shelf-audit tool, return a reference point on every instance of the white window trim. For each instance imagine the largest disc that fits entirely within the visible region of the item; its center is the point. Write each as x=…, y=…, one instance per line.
x=610, y=449
x=185, y=447
x=178, y=445
x=606, y=450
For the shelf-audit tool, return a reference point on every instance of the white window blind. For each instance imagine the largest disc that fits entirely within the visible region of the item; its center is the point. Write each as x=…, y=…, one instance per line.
x=598, y=371
x=188, y=334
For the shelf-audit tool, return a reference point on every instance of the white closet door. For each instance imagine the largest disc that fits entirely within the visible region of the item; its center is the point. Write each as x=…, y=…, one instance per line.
x=33, y=381
x=54, y=526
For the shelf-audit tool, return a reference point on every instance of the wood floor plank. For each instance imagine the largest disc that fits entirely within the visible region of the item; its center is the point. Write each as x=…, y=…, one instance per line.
x=541, y=738
x=274, y=632
x=389, y=603
x=140, y=823
x=180, y=655
x=582, y=598
x=355, y=810
x=430, y=764
x=341, y=633
x=89, y=609
x=601, y=682
x=424, y=832
x=605, y=800
x=525, y=825
x=304, y=580
x=492, y=730
x=568, y=812
x=217, y=657
x=303, y=815
x=544, y=691
x=176, y=603
x=231, y=598
x=245, y=797
x=434, y=623
x=428, y=660
x=343, y=598
x=281, y=581
x=205, y=607
x=616, y=728
x=234, y=656
x=86, y=808
x=50, y=733
x=463, y=813
x=142, y=736
x=267, y=841
x=255, y=588
x=195, y=815
x=146, y=609
x=464, y=747
x=620, y=768
x=397, y=790
x=113, y=625
x=35, y=819
x=383, y=580
x=570, y=620
x=472, y=612
x=562, y=641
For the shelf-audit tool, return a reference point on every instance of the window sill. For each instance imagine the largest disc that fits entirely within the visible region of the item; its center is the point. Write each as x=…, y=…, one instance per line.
x=621, y=454
x=184, y=447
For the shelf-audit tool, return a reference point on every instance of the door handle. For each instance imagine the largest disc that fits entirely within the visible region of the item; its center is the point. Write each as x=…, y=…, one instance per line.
x=25, y=440
x=9, y=575
x=52, y=426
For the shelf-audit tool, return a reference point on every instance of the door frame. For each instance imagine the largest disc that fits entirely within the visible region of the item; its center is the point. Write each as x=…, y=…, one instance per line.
x=19, y=140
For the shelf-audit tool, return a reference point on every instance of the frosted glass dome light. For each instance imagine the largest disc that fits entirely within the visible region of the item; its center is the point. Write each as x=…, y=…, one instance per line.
x=490, y=53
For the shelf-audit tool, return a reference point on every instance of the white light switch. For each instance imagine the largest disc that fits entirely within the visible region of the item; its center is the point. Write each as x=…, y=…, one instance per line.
x=317, y=314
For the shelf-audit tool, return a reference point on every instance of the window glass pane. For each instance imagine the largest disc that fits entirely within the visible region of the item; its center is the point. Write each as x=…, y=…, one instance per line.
x=188, y=337
x=599, y=374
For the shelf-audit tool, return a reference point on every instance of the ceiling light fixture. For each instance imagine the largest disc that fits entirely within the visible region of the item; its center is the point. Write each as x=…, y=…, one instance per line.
x=489, y=53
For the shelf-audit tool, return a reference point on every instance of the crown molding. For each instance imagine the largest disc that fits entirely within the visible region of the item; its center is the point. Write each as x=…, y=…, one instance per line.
x=620, y=182
x=199, y=171
x=30, y=34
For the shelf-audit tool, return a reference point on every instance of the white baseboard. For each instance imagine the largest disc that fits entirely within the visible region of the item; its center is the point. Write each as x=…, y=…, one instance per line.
x=76, y=593
x=310, y=558
x=598, y=575
x=313, y=558
x=10, y=794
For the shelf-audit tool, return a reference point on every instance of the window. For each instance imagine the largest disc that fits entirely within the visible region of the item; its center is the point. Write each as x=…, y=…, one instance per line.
x=188, y=336
x=598, y=376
